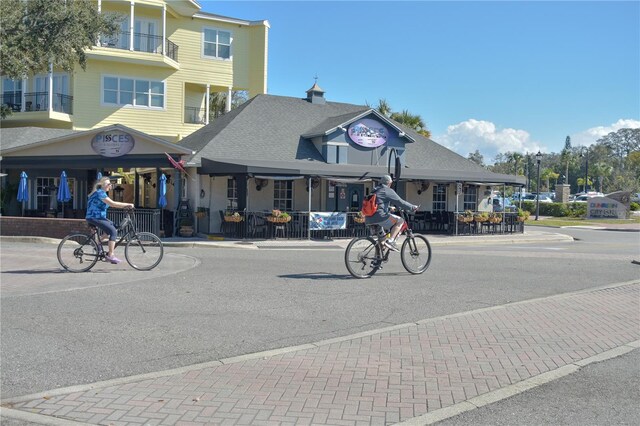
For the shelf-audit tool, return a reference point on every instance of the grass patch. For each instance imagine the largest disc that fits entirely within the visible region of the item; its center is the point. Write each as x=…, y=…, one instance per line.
x=573, y=221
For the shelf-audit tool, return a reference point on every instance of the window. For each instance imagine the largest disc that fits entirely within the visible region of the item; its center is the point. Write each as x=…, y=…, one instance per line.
x=128, y=91
x=283, y=195
x=216, y=43
x=440, y=198
x=232, y=194
x=12, y=93
x=45, y=193
x=470, y=198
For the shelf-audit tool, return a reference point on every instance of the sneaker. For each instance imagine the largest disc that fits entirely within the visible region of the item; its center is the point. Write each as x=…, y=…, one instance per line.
x=391, y=245
x=112, y=259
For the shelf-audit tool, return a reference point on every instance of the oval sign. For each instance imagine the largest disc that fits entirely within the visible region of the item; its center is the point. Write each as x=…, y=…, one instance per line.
x=112, y=144
x=368, y=133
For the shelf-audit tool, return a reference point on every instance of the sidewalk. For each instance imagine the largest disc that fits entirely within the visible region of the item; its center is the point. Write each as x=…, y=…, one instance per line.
x=415, y=373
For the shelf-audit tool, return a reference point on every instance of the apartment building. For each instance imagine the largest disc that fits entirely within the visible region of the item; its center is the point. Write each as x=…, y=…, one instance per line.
x=148, y=87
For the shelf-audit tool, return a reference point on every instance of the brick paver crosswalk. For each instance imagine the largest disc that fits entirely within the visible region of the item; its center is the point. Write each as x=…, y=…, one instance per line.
x=379, y=378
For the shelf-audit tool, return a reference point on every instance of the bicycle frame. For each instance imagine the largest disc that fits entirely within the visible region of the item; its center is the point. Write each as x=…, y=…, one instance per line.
x=127, y=223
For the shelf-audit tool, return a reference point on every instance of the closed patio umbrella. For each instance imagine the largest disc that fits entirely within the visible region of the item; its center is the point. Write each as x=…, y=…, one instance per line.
x=162, y=201
x=64, y=194
x=23, y=190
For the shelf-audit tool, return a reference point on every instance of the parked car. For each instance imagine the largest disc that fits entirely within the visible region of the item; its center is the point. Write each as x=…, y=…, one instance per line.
x=497, y=203
x=532, y=197
x=583, y=198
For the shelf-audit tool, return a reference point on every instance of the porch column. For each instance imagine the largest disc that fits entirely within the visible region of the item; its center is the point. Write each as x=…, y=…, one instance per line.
x=164, y=30
x=50, y=94
x=136, y=188
x=242, y=184
x=131, y=27
x=206, y=106
x=228, y=106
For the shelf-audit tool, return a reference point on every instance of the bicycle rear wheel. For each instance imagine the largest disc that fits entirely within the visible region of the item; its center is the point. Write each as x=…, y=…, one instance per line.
x=77, y=253
x=144, y=251
x=362, y=257
x=416, y=254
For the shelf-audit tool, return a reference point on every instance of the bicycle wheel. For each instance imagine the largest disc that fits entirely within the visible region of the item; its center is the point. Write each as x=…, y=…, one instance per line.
x=415, y=254
x=77, y=253
x=362, y=257
x=144, y=251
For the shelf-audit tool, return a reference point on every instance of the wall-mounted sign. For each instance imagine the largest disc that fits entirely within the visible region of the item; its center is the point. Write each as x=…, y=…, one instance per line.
x=368, y=133
x=112, y=144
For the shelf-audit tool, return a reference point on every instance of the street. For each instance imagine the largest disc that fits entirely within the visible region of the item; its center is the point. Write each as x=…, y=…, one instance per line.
x=205, y=304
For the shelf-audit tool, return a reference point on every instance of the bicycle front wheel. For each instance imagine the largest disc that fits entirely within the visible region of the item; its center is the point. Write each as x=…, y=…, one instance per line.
x=362, y=257
x=416, y=254
x=77, y=253
x=144, y=251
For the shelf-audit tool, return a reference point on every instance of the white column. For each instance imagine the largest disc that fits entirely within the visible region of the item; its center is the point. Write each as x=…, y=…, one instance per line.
x=164, y=30
x=131, y=27
x=50, y=77
x=206, y=106
x=22, y=101
x=228, y=106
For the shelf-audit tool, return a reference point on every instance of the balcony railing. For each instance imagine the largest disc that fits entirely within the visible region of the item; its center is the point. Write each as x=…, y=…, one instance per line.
x=38, y=101
x=194, y=115
x=141, y=43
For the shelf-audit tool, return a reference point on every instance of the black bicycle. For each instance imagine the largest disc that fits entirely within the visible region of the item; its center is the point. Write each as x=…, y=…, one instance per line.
x=80, y=252
x=365, y=255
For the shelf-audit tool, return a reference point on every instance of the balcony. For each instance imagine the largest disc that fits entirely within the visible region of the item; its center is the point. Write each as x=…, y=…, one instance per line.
x=194, y=115
x=142, y=42
x=36, y=107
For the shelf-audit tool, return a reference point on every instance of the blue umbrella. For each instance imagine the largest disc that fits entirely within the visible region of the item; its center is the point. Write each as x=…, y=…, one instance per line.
x=23, y=190
x=64, y=194
x=162, y=201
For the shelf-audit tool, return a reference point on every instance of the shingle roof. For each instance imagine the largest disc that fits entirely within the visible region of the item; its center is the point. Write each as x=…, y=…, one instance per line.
x=269, y=129
x=14, y=137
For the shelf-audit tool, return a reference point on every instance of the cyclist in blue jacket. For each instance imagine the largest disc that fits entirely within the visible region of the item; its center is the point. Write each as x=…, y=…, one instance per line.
x=385, y=196
x=97, y=206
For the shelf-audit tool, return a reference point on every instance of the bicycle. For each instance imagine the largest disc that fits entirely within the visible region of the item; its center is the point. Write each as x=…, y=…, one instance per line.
x=80, y=252
x=364, y=256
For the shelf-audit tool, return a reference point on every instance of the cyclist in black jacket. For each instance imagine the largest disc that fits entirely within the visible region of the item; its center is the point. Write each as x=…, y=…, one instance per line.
x=385, y=196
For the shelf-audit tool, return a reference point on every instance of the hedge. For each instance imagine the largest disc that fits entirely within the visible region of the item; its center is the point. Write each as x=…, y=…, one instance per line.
x=557, y=209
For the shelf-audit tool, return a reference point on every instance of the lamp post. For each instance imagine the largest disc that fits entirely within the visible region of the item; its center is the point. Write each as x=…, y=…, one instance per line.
x=586, y=173
x=538, y=159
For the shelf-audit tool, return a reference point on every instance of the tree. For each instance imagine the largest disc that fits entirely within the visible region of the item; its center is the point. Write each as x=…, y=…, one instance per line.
x=566, y=157
x=476, y=157
x=218, y=102
x=35, y=33
x=405, y=117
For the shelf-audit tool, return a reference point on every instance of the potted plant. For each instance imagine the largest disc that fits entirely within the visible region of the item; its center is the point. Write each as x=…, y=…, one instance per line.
x=278, y=216
x=495, y=217
x=186, y=227
x=201, y=213
x=523, y=215
x=466, y=217
x=233, y=217
x=481, y=217
x=359, y=218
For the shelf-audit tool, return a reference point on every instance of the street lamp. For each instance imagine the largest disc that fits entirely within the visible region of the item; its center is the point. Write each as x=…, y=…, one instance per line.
x=586, y=170
x=538, y=159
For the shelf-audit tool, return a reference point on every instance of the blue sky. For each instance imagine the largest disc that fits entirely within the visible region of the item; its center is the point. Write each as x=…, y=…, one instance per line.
x=493, y=76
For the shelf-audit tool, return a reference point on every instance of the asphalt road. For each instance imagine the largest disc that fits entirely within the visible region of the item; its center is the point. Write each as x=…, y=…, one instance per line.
x=61, y=329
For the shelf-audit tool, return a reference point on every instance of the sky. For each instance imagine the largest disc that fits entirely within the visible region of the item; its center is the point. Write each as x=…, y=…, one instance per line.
x=493, y=76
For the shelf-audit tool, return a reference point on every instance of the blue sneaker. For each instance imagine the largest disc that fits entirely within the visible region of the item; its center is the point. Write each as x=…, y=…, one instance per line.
x=112, y=259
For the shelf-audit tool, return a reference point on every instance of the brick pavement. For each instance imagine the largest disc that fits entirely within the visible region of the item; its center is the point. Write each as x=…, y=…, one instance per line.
x=380, y=377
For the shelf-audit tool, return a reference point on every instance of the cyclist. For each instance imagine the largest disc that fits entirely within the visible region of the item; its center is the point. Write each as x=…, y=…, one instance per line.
x=385, y=196
x=97, y=206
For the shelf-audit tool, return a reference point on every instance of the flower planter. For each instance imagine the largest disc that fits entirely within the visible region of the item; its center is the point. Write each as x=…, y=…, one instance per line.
x=358, y=219
x=186, y=231
x=464, y=219
x=233, y=218
x=273, y=219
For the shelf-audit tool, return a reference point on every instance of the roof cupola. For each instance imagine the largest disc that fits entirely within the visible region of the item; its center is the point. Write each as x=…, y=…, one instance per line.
x=315, y=95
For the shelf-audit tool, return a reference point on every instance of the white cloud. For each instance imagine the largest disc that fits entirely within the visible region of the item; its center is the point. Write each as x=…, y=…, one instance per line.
x=467, y=136
x=590, y=136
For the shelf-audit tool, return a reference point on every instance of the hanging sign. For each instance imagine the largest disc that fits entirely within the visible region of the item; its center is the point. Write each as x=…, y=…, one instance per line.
x=114, y=143
x=368, y=133
x=319, y=221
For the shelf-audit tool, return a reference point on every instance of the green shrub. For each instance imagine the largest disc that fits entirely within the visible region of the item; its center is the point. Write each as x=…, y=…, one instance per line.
x=634, y=207
x=547, y=209
x=577, y=209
